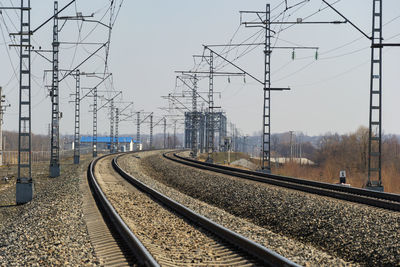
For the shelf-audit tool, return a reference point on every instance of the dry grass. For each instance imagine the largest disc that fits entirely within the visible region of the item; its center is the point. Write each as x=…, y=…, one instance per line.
x=330, y=174
x=222, y=157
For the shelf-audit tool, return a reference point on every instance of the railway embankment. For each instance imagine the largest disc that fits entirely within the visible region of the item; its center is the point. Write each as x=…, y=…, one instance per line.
x=344, y=230
x=299, y=252
x=51, y=229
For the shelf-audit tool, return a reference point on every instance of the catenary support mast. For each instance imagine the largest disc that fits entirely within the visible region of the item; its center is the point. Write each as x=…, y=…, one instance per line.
x=77, y=117
x=55, y=108
x=138, y=129
x=266, y=138
x=116, y=129
x=24, y=187
x=165, y=132
x=194, y=118
x=210, y=119
x=375, y=108
x=151, y=131
x=112, y=126
x=94, y=140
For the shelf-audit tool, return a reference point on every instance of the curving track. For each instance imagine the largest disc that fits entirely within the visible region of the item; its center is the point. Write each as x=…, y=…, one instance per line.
x=170, y=234
x=377, y=199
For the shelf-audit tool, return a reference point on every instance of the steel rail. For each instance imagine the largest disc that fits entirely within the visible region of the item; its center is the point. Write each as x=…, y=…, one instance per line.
x=363, y=196
x=267, y=256
x=136, y=247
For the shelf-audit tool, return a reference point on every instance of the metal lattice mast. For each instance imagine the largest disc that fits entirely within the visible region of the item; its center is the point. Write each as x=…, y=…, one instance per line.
x=375, y=109
x=112, y=126
x=194, y=125
x=77, y=118
x=165, y=132
x=201, y=131
x=1, y=125
x=151, y=131
x=94, y=141
x=174, y=134
x=266, y=138
x=24, y=188
x=55, y=109
x=116, y=129
x=138, y=129
x=210, y=120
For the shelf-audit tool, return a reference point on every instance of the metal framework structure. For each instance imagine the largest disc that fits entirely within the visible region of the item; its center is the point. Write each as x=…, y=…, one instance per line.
x=24, y=187
x=116, y=129
x=1, y=125
x=165, y=132
x=77, y=117
x=151, y=130
x=112, y=126
x=220, y=124
x=196, y=120
x=55, y=108
x=266, y=138
x=220, y=129
x=210, y=119
x=3, y=108
x=375, y=106
x=95, y=112
x=174, y=143
x=94, y=130
x=374, y=181
x=195, y=126
x=138, y=128
x=202, y=127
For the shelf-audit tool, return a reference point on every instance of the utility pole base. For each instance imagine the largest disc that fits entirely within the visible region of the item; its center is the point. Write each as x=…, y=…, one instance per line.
x=54, y=171
x=24, y=192
x=76, y=159
x=375, y=186
x=94, y=154
x=266, y=170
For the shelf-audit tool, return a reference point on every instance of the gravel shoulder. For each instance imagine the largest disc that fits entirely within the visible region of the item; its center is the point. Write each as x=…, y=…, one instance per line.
x=299, y=252
x=171, y=239
x=50, y=230
x=354, y=232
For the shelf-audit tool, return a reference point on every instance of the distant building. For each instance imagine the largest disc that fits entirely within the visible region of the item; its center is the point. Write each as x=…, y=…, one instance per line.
x=304, y=161
x=103, y=142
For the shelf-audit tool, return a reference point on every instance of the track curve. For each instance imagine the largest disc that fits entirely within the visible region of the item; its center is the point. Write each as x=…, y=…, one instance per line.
x=377, y=199
x=136, y=248
x=224, y=246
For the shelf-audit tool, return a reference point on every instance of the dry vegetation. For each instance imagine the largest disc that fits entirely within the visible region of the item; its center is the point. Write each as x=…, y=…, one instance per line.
x=349, y=152
x=39, y=142
x=341, y=152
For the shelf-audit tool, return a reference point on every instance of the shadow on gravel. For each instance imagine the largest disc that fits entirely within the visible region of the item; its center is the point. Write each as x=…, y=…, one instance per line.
x=8, y=206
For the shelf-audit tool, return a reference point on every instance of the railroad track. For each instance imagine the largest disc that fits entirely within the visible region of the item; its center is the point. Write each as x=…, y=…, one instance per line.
x=166, y=232
x=134, y=251
x=373, y=198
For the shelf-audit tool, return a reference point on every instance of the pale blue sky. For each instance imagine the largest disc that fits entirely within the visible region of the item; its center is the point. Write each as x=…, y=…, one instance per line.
x=152, y=39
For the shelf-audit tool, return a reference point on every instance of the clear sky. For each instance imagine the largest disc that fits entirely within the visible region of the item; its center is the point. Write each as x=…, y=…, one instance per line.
x=152, y=39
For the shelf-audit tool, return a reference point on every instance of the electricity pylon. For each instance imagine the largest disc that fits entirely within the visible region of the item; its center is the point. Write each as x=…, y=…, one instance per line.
x=374, y=181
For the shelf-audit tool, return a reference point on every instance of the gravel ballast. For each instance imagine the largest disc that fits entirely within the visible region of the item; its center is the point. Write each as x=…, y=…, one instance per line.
x=50, y=230
x=171, y=239
x=299, y=252
x=355, y=232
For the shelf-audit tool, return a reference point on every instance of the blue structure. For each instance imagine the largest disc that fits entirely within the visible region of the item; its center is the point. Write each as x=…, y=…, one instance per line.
x=107, y=139
x=104, y=141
